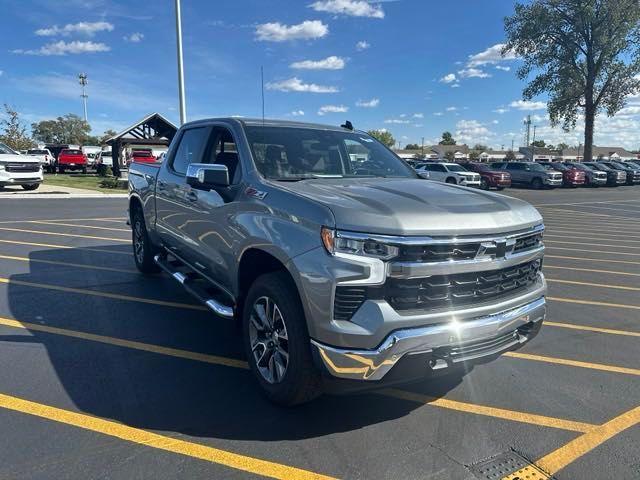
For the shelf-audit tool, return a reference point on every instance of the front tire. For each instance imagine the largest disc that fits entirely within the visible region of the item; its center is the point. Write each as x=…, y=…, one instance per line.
x=31, y=186
x=451, y=180
x=536, y=184
x=277, y=343
x=143, y=249
x=484, y=185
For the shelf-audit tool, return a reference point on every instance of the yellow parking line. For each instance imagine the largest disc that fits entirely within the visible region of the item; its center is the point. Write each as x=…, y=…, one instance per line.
x=68, y=264
x=160, y=442
x=560, y=458
x=42, y=222
x=579, y=213
x=592, y=244
x=594, y=270
x=594, y=251
x=67, y=247
x=573, y=363
x=40, y=232
x=565, y=226
x=587, y=259
x=146, y=347
x=502, y=413
x=587, y=328
x=512, y=415
x=590, y=284
x=107, y=219
x=591, y=302
x=95, y=293
x=580, y=236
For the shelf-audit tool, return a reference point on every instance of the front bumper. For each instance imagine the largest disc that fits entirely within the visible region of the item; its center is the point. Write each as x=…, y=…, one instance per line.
x=553, y=182
x=14, y=178
x=446, y=345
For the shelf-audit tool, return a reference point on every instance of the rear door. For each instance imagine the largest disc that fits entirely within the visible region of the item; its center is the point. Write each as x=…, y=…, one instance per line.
x=518, y=173
x=175, y=200
x=436, y=171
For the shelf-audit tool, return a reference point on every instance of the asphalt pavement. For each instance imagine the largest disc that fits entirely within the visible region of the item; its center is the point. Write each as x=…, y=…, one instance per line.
x=109, y=374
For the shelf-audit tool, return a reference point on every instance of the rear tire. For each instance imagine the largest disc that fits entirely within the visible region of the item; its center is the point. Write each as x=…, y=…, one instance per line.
x=283, y=338
x=143, y=249
x=31, y=186
x=499, y=188
x=84, y=171
x=60, y=169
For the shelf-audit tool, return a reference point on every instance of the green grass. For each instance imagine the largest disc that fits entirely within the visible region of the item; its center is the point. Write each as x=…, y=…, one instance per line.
x=87, y=182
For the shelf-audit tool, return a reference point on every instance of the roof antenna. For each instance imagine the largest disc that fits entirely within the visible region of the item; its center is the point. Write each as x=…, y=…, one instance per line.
x=262, y=85
x=348, y=125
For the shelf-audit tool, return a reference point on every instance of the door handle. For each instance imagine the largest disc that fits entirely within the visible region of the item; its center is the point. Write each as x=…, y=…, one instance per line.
x=162, y=184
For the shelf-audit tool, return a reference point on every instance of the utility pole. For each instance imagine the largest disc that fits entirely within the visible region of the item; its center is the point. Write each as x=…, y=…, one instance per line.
x=512, y=144
x=82, y=79
x=422, y=147
x=527, y=124
x=533, y=144
x=183, y=105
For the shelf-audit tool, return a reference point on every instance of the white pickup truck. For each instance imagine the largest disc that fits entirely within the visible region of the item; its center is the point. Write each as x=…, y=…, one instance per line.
x=16, y=169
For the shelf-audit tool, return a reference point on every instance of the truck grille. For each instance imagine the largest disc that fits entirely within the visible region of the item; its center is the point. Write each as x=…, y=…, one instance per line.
x=460, y=289
x=527, y=243
x=22, y=167
x=438, y=253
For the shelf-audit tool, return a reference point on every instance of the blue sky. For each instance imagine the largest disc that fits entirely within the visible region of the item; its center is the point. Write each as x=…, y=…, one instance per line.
x=414, y=67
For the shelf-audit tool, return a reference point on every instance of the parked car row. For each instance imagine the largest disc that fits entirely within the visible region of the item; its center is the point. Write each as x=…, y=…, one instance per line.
x=537, y=175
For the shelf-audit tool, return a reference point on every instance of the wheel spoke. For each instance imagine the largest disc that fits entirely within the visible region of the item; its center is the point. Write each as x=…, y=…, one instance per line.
x=262, y=315
x=259, y=356
x=256, y=324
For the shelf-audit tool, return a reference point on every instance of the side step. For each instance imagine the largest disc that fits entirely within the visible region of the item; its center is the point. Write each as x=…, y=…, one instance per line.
x=189, y=282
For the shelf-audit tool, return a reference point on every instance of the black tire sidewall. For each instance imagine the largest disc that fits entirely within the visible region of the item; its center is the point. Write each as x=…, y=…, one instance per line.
x=148, y=264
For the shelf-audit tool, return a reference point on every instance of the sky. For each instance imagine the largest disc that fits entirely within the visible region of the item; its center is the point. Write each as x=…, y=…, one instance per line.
x=413, y=67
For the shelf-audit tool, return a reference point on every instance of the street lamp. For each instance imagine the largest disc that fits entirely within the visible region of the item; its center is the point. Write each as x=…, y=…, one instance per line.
x=183, y=106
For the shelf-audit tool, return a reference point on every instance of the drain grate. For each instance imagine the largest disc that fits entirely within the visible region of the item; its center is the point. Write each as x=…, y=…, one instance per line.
x=507, y=466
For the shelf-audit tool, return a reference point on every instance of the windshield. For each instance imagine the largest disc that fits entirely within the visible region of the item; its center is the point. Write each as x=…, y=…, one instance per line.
x=600, y=166
x=141, y=153
x=536, y=167
x=287, y=153
x=6, y=150
x=71, y=152
x=581, y=167
x=454, y=167
x=37, y=152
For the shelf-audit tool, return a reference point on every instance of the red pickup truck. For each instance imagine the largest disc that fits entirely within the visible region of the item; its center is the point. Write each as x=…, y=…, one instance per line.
x=72, y=159
x=143, y=156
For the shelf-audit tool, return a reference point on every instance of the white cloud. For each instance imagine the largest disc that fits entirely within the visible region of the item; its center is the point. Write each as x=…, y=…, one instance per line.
x=402, y=115
x=82, y=28
x=297, y=113
x=437, y=114
x=296, y=85
x=332, y=109
x=495, y=122
x=501, y=110
x=418, y=115
x=353, y=8
x=329, y=63
x=1, y=73
x=451, y=109
x=374, y=102
x=135, y=37
x=451, y=77
x=527, y=105
x=64, y=48
x=504, y=69
x=397, y=121
x=472, y=131
x=455, y=85
x=491, y=55
x=473, y=73
x=362, y=45
x=278, y=32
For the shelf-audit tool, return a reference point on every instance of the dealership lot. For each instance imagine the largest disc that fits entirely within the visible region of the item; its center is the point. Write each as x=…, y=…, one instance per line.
x=105, y=373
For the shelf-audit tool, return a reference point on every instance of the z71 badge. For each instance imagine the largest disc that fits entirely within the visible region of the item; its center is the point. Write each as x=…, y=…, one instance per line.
x=252, y=192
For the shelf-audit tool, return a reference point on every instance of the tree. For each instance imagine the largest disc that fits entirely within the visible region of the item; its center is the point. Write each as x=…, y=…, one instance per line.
x=562, y=146
x=474, y=155
x=539, y=144
x=450, y=156
x=585, y=54
x=480, y=148
x=383, y=136
x=413, y=146
x=447, y=139
x=510, y=156
x=14, y=133
x=70, y=129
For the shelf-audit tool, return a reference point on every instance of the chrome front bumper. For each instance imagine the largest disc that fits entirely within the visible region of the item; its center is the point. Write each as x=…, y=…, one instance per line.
x=467, y=336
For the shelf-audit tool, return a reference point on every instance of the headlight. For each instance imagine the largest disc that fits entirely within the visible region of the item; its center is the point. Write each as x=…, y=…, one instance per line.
x=350, y=243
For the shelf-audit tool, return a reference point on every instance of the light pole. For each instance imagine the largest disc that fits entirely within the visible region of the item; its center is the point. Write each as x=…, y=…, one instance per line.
x=82, y=79
x=183, y=106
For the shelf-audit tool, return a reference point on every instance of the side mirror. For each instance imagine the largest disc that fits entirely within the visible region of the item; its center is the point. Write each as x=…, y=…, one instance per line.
x=423, y=174
x=205, y=176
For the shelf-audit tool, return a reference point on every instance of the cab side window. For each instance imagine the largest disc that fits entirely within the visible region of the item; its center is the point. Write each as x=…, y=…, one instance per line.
x=190, y=149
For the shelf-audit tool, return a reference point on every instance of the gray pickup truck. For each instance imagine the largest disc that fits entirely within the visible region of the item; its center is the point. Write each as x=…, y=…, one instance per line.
x=346, y=269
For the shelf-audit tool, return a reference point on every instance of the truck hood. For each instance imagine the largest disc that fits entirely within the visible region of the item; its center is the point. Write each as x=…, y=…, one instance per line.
x=19, y=158
x=415, y=207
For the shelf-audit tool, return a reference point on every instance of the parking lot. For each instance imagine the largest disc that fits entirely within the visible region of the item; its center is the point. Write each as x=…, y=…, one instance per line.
x=105, y=373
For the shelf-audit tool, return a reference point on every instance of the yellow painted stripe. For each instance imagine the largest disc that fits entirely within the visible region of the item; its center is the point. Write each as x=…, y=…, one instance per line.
x=95, y=227
x=588, y=328
x=573, y=363
x=588, y=259
x=67, y=247
x=567, y=225
x=68, y=264
x=160, y=442
x=502, y=413
x=594, y=270
x=580, y=236
x=560, y=458
x=234, y=363
x=590, y=284
x=594, y=303
x=579, y=213
x=146, y=347
x=595, y=251
x=95, y=293
x=107, y=219
x=599, y=244
x=40, y=232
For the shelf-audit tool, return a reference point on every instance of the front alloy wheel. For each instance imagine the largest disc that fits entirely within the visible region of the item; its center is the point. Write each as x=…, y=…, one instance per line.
x=269, y=340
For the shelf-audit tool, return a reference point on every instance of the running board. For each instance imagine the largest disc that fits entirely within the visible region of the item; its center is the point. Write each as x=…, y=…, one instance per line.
x=187, y=280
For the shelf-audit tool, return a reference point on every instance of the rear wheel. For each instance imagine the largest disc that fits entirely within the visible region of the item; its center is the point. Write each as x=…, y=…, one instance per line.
x=143, y=249
x=84, y=170
x=499, y=188
x=277, y=342
x=31, y=186
x=60, y=169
